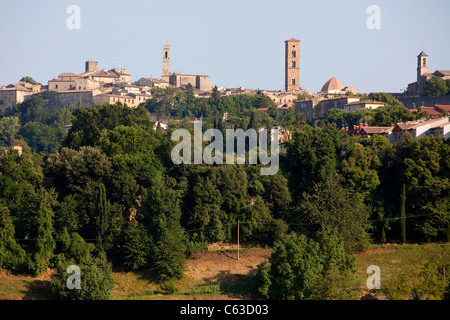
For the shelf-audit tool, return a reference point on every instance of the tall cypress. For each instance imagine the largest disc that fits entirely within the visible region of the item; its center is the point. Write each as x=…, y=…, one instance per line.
x=403, y=213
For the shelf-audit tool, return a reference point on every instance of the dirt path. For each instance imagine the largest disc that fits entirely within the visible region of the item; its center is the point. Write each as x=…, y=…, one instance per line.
x=222, y=265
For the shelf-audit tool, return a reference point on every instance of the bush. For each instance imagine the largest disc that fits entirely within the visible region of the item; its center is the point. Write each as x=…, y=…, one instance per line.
x=303, y=269
x=95, y=272
x=95, y=277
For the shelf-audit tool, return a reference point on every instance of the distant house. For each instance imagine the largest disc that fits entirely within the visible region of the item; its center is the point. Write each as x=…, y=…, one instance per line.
x=368, y=132
x=17, y=93
x=421, y=128
x=325, y=105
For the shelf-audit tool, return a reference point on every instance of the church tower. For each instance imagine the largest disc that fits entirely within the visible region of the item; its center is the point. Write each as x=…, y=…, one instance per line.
x=422, y=65
x=292, y=65
x=422, y=69
x=166, y=63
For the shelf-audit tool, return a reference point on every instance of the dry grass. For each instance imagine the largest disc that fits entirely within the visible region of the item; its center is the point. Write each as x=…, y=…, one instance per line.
x=235, y=276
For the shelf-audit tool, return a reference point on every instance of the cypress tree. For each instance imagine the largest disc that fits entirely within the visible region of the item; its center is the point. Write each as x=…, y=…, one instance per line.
x=403, y=213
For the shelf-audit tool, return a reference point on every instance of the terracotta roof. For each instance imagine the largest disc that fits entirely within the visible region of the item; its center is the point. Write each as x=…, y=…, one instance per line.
x=415, y=124
x=444, y=72
x=68, y=74
x=431, y=111
x=422, y=54
x=332, y=84
x=292, y=40
x=442, y=107
x=376, y=130
x=59, y=80
x=107, y=73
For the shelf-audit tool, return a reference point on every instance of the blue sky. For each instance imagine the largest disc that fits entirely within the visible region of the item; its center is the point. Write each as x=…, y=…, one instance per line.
x=237, y=43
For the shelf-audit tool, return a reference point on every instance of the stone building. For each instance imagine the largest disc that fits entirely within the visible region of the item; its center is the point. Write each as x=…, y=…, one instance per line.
x=422, y=128
x=91, y=79
x=416, y=88
x=281, y=98
x=325, y=105
x=292, y=65
x=17, y=93
x=152, y=83
x=70, y=98
x=178, y=79
x=129, y=100
x=308, y=108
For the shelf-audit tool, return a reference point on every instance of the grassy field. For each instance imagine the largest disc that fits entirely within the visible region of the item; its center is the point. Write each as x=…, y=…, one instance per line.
x=401, y=269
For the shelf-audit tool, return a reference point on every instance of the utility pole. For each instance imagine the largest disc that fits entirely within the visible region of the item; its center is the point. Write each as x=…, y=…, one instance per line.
x=238, y=240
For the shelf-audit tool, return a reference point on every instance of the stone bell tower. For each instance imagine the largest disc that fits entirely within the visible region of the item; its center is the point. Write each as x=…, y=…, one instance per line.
x=292, y=65
x=166, y=63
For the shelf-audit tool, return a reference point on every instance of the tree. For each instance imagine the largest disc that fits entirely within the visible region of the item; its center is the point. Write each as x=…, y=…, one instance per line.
x=29, y=80
x=403, y=213
x=96, y=280
x=161, y=215
x=435, y=87
x=102, y=215
x=138, y=248
x=9, y=127
x=41, y=137
x=215, y=96
x=38, y=218
x=331, y=205
x=304, y=95
x=190, y=96
x=12, y=256
x=386, y=98
x=303, y=269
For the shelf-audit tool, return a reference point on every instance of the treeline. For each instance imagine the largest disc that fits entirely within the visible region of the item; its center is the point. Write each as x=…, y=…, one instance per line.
x=42, y=130
x=111, y=196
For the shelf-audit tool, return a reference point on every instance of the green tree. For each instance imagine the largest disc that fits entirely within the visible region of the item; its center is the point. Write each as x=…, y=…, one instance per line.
x=161, y=215
x=38, y=218
x=303, y=269
x=215, y=95
x=435, y=87
x=29, y=80
x=9, y=127
x=96, y=280
x=403, y=213
x=12, y=256
x=330, y=205
x=138, y=248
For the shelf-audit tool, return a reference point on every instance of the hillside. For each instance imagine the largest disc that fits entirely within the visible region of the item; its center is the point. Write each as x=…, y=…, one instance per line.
x=236, y=276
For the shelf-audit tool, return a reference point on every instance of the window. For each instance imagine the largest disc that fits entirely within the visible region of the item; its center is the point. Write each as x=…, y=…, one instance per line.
x=424, y=62
x=293, y=64
x=293, y=54
x=166, y=54
x=293, y=82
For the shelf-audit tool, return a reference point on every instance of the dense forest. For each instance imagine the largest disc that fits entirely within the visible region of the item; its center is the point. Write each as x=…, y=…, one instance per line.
x=108, y=195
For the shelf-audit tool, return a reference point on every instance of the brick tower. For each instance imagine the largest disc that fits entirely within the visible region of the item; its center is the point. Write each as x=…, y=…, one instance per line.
x=166, y=63
x=292, y=65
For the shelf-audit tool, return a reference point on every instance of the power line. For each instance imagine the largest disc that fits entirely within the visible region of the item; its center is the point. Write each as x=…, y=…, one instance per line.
x=235, y=223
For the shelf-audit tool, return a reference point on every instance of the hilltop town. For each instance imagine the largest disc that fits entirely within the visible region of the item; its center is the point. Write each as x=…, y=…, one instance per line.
x=97, y=86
